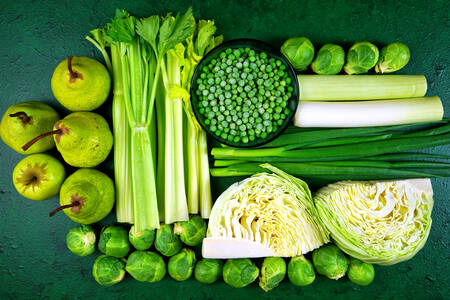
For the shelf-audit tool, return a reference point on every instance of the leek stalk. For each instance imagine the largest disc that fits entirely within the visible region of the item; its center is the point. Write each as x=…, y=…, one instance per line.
x=368, y=113
x=361, y=87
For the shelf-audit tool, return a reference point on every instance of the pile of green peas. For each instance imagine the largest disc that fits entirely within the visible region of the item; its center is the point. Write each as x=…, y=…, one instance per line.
x=243, y=95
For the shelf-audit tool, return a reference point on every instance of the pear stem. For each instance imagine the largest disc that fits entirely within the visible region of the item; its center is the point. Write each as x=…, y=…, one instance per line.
x=28, y=145
x=73, y=74
x=52, y=213
x=22, y=116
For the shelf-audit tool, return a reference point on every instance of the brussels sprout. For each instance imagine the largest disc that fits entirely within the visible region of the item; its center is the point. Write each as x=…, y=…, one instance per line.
x=301, y=271
x=81, y=240
x=167, y=242
x=208, y=270
x=114, y=241
x=360, y=272
x=299, y=51
x=239, y=272
x=273, y=270
x=329, y=60
x=361, y=57
x=146, y=266
x=108, y=270
x=141, y=240
x=181, y=265
x=330, y=261
x=191, y=232
x=393, y=57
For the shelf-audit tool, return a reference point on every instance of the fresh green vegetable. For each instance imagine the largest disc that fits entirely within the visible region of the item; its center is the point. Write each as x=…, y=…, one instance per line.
x=239, y=272
x=181, y=265
x=114, y=241
x=243, y=95
x=166, y=241
x=366, y=153
x=24, y=121
x=38, y=176
x=146, y=266
x=330, y=262
x=301, y=271
x=361, y=57
x=368, y=113
x=80, y=83
x=81, y=240
x=382, y=222
x=191, y=232
x=402, y=142
x=393, y=57
x=360, y=272
x=299, y=51
x=329, y=60
x=108, y=270
x=341, y=170
x=141, y=240
x=273, y=270
x=144, y=59
x=301, y=137
x=208, y=270
x=264, y=215
x=362, y=87
x=198, y=178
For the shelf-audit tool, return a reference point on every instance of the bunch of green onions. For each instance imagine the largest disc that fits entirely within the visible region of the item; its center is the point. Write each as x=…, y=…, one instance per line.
x=365, y=153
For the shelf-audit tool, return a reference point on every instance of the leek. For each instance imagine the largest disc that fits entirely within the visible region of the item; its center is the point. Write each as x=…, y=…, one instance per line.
x=361, y=87
x=368, y=113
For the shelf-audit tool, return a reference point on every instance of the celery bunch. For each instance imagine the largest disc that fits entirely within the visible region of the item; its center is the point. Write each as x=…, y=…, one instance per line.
x=152, y=61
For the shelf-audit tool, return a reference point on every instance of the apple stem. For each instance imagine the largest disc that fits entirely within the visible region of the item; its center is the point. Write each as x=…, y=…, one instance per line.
x=52, y=213
x=22, y=116
x=28, y=145
x=73, y=74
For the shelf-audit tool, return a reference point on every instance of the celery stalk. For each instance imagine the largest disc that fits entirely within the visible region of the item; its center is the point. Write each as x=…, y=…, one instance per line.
x=205, y=184
x=193, y=160
x=175, y=193
x=122, y=136
x=360, y=87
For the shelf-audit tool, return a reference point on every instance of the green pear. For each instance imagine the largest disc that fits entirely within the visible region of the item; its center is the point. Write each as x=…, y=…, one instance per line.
x=23, y=121
x=81, y=83
x=38, y=176
x=87, y=196
x=83, y=139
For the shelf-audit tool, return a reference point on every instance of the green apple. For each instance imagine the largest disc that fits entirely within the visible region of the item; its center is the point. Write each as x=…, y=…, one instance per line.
x=38, y=176
x=81, y=83
x=87, y=196
x=24, y=121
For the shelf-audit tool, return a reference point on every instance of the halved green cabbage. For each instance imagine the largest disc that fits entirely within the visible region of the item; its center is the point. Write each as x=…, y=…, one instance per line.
x=382, y=222
x=264, y=215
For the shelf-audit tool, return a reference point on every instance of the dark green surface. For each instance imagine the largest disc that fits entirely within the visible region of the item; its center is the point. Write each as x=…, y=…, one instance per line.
x=35, y=36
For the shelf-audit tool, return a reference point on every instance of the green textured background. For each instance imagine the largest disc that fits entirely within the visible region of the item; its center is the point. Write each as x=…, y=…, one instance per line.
x=36, y=35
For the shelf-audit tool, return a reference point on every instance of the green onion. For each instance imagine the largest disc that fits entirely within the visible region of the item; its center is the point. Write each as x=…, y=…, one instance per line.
x=330, y=171
x=339, y=152
x=306, y=136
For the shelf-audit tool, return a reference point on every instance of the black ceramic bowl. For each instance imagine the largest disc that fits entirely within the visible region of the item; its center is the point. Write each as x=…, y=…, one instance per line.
x=258, y=46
